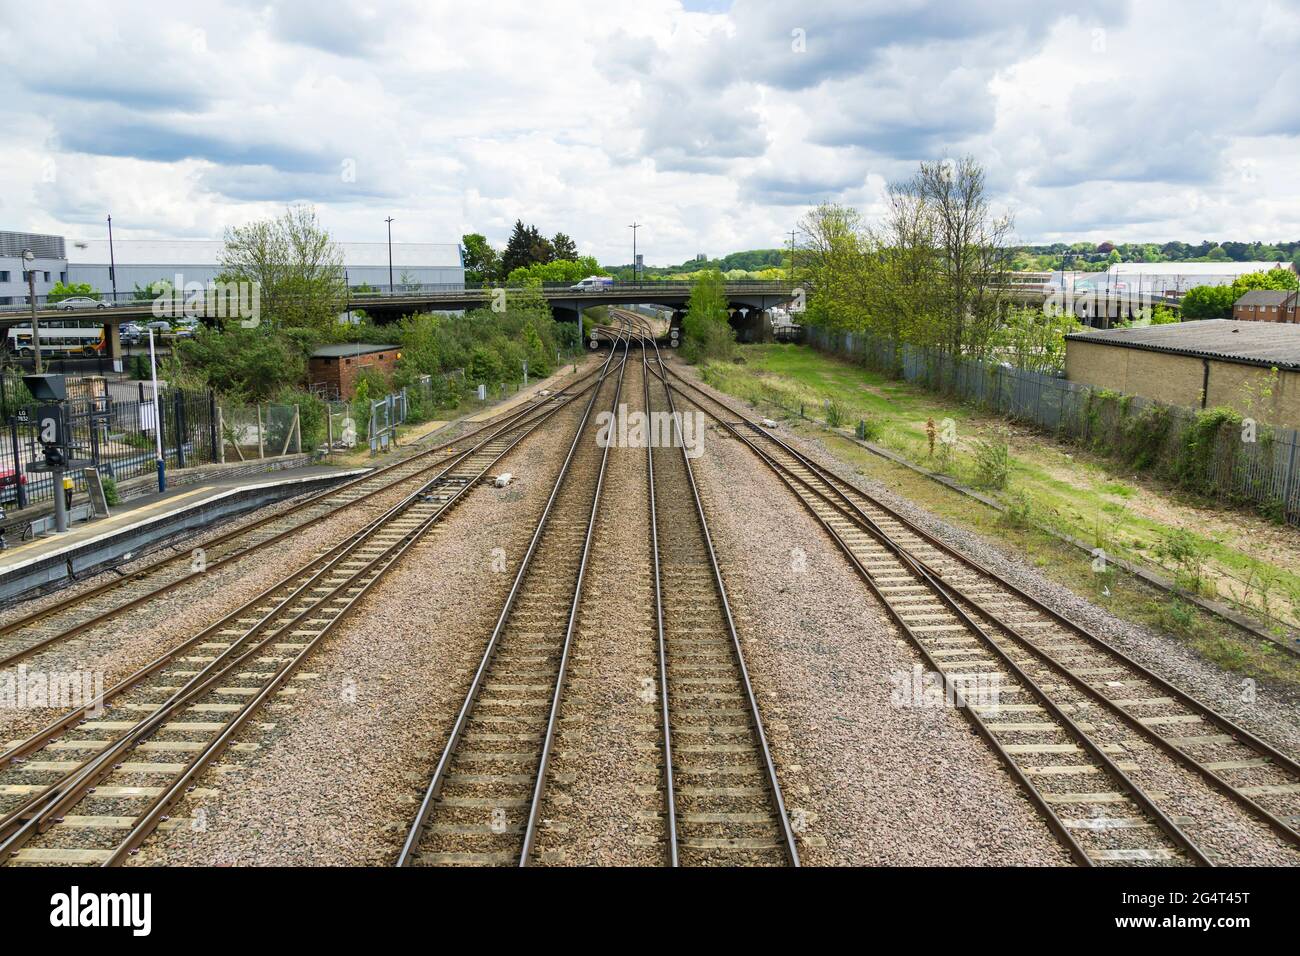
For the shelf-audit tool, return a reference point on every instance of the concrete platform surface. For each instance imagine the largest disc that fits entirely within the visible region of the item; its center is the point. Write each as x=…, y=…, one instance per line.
x=148, y=520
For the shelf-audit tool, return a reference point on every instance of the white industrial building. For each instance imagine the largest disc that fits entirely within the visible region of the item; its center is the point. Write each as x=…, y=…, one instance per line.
x=1168, y=278
x=142, y=262
x=50, y=265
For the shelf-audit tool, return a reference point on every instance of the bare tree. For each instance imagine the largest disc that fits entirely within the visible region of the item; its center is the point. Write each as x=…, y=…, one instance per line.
x=973, y=251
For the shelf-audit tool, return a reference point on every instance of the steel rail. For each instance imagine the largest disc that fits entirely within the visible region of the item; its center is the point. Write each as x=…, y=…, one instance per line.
x=410, y=847
x=661, y=647
x=81, y=597
x=548, y=738
x=1245, y=738
x=1140, y=797
x=99, y=766
x=756, y=720
x=222, y=664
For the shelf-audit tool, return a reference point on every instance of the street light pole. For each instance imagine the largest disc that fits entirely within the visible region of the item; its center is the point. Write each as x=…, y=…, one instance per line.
x=29, y=260
x=636, y=273
x=161, y=462
x=112, y=263
x=389, y=220
x=792, y=235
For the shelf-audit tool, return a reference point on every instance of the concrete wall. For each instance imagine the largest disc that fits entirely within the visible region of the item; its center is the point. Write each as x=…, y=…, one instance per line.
x=1178, y=380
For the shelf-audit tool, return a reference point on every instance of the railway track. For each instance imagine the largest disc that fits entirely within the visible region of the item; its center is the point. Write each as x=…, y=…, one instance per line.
x=722, y=799
x=481, y=805
x=91, y=787
x=52, y=624
x=1062, y=698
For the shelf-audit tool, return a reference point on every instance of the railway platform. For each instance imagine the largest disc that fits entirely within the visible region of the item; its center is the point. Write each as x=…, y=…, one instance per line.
x=141, y=523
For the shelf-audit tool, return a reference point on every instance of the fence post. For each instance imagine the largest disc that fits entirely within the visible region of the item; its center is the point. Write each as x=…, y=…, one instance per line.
x=1286, y=488
x=213, y=429
x=221, y=434
x=20, y=488
x=261, y=450
x=329, y=430
x=297, y=430
x=182, y=428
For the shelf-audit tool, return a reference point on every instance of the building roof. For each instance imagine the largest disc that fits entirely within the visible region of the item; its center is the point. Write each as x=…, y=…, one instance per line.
x=1225, y=268
x=1247, y=343
x=43, y=246
x=207, y=252
x=349, y=349
x=1277, y=297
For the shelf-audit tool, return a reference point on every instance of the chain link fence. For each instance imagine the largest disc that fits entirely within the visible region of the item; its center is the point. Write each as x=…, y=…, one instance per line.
x=1214, y=452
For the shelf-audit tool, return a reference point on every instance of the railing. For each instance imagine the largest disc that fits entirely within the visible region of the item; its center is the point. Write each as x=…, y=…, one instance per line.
x=105, y=302
x=117, y=437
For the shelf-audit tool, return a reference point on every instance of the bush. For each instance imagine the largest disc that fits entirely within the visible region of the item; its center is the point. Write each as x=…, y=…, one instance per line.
x=110, y=490
x=993, y=461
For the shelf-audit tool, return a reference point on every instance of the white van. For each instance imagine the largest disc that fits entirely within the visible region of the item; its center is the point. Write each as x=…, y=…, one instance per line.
x=592, y=283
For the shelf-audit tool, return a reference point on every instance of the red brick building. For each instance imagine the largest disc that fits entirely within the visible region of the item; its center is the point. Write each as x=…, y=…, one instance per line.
x=1267, y=305
x=333, y=369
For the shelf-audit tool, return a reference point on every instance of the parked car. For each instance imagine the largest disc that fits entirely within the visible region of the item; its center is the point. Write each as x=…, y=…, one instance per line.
x=9, y=485
x=159, y=327
x=80, y=302
x=130, y=333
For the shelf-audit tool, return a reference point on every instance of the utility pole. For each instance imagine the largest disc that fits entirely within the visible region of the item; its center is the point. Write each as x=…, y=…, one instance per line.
x=112, y=263
x=389, y=220
x=161, y=462
x=29, y=260
x=793, y=232
x=636, y=273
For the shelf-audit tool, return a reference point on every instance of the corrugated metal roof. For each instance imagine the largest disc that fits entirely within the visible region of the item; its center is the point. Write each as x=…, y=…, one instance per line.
x=43, y=246
x=1246, y=343
x=207, y=252
x=348, y=349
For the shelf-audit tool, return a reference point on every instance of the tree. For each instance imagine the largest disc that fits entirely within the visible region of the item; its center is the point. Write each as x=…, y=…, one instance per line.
x=526, y=246
x=564, y=247
x=482, y=263
x=708, y=332
x=973, y=255
x=66, y=290
x=295, y=264
x=1208, y=302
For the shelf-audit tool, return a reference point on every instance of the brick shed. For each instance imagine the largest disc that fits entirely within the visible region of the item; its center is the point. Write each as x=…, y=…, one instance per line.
x=1197, y=364
x=333, y=369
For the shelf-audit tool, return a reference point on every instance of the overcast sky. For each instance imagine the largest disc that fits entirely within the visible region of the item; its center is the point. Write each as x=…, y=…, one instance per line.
x=715, y=124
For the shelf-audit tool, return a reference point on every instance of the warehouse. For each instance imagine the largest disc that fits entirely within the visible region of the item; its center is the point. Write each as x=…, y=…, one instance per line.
x=142, y=262
x=1206, y=364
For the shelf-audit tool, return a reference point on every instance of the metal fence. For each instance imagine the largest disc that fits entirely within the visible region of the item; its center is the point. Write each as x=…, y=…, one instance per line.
x=249, y=432
x=1216, y=456
x=118, y=437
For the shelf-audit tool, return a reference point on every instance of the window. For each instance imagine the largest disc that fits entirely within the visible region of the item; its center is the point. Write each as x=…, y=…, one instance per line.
x=47, y=277
x=4, y=276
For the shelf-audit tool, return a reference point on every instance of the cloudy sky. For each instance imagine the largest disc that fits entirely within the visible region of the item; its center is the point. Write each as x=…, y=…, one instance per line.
x=715, y=124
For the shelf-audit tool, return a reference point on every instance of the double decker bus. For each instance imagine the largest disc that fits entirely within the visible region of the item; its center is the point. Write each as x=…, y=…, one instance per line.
x=58, y=337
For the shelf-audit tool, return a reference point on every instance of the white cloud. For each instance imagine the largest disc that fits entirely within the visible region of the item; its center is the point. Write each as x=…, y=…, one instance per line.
x=1142, y=121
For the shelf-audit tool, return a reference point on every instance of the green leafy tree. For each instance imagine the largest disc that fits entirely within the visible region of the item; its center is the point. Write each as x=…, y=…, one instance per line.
x=482, y=263
x=526, y=246
x=66, y=290
x=297, y=266
x=1208, y=302
x=564, y=247
x=708, y=333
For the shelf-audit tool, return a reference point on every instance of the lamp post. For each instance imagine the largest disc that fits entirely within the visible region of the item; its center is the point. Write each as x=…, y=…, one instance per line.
x=389, y=220
x=29, y=260
x=636, y=272
x=793, y=232
x=112, y=263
